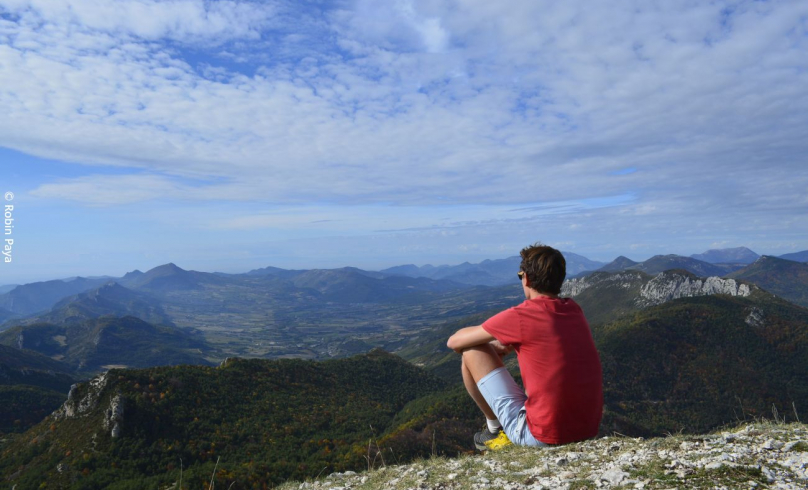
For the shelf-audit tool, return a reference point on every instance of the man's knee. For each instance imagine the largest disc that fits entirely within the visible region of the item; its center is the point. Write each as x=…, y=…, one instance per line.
x=479, y=351
x=480, y=360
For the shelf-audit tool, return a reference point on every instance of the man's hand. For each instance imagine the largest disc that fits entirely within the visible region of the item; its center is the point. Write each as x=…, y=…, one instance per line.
x=499, y=348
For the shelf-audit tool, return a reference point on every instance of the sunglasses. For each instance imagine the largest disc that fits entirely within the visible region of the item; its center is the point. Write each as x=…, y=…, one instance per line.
x=521, y=274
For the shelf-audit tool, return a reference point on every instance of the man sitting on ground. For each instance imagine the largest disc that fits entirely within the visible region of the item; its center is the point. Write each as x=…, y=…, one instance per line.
x=563, y=397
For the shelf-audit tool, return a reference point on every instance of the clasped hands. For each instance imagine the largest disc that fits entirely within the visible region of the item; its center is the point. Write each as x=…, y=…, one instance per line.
x=500, y=348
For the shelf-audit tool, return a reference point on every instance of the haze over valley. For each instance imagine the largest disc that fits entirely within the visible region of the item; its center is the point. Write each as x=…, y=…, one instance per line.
x=320, y=313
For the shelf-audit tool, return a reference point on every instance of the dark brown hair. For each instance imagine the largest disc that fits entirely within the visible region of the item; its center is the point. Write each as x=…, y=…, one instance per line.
x=545, y=268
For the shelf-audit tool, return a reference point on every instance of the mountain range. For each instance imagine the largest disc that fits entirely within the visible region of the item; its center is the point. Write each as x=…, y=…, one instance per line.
x=20, y=301
x=660, y=263
x=318, y=313
x=488, y=272
x=266, y=313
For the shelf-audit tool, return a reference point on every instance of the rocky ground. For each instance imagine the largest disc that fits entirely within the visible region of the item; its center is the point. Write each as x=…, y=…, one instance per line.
x=759, y=455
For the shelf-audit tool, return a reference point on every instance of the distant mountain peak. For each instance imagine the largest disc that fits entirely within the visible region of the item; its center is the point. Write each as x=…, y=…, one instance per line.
x=170, y=277
x=170, y=265
x=620, y=263
x=739, y=255
x=160, y=270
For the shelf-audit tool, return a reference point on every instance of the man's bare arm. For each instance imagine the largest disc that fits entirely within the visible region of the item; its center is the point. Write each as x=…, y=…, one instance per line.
x=468, y=337
x=471, y=336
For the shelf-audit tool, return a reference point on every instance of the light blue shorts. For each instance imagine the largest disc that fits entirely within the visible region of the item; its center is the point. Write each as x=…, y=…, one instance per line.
x=507, y=400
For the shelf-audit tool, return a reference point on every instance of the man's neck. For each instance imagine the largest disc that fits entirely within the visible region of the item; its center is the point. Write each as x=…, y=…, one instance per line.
x=533, y=294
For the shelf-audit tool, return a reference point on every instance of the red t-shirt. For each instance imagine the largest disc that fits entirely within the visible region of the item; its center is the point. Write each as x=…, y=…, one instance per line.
x=560, y=367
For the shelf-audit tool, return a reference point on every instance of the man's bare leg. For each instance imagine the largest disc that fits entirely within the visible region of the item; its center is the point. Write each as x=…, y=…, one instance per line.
x=477, y=362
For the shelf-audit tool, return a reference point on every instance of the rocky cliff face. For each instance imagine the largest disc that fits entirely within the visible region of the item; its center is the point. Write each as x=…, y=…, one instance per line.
x=85, y=397
x=667, y=286
x=755, y=318
x=660, y=288
x=762, y=455
x=113, y=416
x=622, y=280
x=82, y=398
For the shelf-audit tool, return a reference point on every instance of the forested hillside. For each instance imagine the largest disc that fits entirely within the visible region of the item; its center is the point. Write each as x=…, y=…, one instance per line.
x=31, y=387
x=267, y=420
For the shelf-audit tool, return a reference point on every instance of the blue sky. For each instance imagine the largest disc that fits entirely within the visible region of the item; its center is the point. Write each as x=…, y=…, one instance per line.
x=230, y=135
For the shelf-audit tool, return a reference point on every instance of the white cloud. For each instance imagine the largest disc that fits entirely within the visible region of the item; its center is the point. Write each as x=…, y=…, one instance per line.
x=111, y=189
x=435, y=38
x=182, y=20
